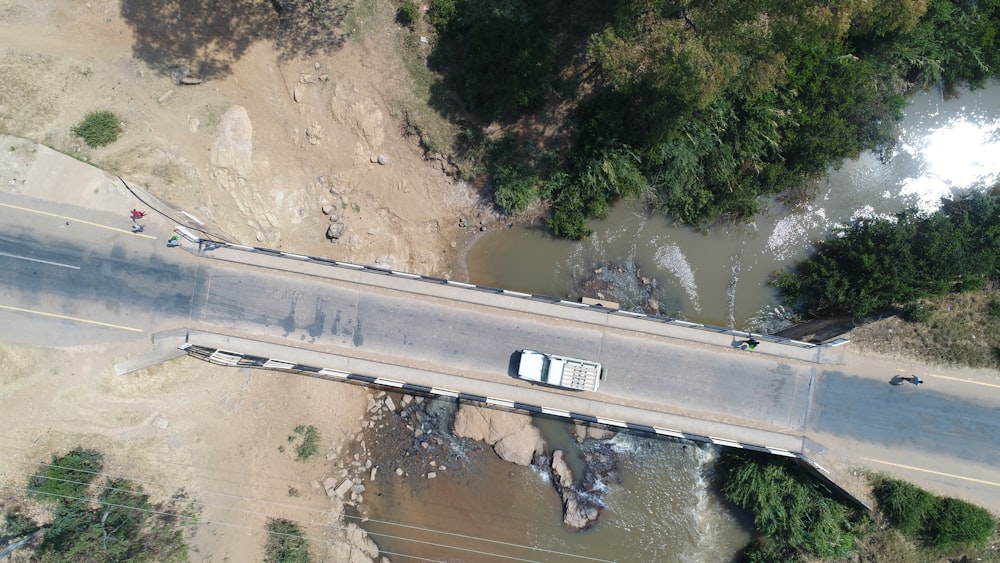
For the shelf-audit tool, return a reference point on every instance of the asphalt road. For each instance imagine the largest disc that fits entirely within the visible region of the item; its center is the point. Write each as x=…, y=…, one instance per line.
x=72, y=275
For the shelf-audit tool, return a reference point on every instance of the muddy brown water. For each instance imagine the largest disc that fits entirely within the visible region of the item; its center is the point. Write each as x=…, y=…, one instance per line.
x=659, y=507
x=718, y=274
x=663, y=506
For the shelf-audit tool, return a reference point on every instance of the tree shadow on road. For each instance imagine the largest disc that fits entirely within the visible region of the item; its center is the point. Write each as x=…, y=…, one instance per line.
x=206, y=37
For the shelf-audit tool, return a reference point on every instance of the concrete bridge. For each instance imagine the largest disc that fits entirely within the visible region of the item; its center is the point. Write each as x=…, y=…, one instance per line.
x=72, y=271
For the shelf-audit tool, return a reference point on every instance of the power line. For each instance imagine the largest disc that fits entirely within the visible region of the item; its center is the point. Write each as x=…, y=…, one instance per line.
x=305, y=522
x=360, y=519
x=195, y=520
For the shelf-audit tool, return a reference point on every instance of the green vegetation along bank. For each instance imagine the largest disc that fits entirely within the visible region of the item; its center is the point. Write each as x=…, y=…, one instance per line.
x=882, y=263
x=797, y=519
x=700, y=107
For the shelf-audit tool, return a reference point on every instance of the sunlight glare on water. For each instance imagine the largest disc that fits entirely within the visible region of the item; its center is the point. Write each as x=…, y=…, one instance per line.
x=962, y=153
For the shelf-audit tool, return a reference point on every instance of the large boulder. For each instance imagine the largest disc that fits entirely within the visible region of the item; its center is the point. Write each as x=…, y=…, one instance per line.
x=335, y=231
x=233, y=148
x=579, y=514
x=561, y=472
x=581, y=507
x=512, y=435
x=362, y=545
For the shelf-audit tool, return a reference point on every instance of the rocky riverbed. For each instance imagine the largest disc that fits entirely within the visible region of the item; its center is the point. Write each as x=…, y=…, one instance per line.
x=409, y=439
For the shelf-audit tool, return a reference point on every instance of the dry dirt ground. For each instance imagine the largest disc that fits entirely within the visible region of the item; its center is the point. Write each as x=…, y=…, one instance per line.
x=266, y=149
x=258, y=150
x=212, y=431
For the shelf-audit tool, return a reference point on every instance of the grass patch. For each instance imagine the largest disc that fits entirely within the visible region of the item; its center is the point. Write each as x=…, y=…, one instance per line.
x=962, y=332
x=285, y=543
x=435, y=132
x=98, y=128
x=363, y=15
x=308, y=438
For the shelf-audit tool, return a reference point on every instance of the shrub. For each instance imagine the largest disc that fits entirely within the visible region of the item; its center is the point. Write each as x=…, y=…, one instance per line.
x=98, y=128
x=906, y=505
x=569, y=220
x=408, y=13
x=442, y=14
x=959, y=523
x=918, y=312
x=993, y=308
x=285, y=543
x=515, y=187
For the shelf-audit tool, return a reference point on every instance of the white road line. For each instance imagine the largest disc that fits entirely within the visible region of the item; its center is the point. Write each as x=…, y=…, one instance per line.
x=963, y=380
x=932, y=472
x=69, y=318
x=61, y=265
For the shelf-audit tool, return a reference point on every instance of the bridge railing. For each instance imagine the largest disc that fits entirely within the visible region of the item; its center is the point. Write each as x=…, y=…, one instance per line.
x=237, y=359
x=206, y=243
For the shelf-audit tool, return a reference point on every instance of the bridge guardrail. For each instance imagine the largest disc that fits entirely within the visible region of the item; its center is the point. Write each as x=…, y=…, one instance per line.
x=237, y=359
x=527, y=296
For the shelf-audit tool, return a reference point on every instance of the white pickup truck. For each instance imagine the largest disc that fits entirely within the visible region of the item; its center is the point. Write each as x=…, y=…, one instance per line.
x=559, y=371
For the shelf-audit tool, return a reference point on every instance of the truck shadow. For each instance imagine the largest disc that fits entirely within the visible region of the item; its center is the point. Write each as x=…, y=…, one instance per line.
x=513, y=363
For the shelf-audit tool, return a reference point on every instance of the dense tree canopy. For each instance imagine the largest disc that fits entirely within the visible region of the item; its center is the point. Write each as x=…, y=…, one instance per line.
x=715, y=103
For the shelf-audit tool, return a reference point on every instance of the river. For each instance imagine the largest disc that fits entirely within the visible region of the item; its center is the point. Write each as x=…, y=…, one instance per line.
x=663, y=505
x=718, y=274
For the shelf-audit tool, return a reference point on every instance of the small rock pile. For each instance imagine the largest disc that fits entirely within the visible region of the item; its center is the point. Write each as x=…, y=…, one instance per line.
x=412, y=439
x=625, y=284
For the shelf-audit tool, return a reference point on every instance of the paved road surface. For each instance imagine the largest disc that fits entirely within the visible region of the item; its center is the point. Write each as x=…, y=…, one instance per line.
x=70, y=275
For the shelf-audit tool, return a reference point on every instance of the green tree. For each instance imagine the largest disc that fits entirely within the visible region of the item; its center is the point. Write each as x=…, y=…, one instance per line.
x=716, y=103
x=117, y=524
x=509, y=62
x=879, y=263
x=907, y=506
x=67, y=478
x=17, y=524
